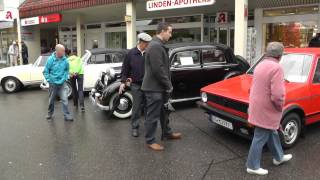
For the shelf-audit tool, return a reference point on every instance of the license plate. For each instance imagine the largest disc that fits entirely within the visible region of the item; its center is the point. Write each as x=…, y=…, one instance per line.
x=221, y=122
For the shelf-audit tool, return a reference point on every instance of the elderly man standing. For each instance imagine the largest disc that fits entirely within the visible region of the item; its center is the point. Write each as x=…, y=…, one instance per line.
x=56, y=73
x=132, y=75
x=266, y=102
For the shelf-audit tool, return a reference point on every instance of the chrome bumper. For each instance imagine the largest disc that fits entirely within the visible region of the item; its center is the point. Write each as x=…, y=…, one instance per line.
x=95, y=101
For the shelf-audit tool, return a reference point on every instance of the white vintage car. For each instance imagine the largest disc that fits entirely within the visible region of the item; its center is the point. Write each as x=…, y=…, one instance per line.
x=97, y=61
x=14, y=78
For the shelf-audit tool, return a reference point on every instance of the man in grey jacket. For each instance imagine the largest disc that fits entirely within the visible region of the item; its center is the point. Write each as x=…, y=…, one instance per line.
x=156, y=85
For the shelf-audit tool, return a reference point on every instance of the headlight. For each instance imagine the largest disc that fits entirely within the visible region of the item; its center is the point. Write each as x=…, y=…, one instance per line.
x=204, y=97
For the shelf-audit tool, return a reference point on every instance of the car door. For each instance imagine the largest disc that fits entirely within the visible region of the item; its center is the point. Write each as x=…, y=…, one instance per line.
x=215, y=65
x=93, y=66
x=37, y=69
x=315, y=94
x=185, y=74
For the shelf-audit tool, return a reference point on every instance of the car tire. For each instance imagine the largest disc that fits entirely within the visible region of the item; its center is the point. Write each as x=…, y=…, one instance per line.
x=11, y=85
x=124, y=110
x=291, y=125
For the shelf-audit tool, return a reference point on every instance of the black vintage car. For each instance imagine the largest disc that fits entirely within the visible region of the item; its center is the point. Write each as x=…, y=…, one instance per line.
x=193, y=66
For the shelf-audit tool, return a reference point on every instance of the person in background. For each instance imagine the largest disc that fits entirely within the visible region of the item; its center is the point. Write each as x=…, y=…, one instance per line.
x=266, y=100
x=24, y=52
x=315, y=41
x=13, y=54
x=76, y=77
x=56, y=73
x=157, y=85
x=132, y=75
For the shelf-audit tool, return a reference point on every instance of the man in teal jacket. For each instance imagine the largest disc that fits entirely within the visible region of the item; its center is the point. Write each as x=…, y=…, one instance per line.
x=56, y=73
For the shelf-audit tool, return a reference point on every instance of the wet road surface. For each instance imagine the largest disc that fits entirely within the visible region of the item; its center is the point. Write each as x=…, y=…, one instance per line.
x=97, y=147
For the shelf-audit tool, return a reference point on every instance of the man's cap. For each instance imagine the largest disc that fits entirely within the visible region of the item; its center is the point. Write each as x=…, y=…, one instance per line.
x=144, y=37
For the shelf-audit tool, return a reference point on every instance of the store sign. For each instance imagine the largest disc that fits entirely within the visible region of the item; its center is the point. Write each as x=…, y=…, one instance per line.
x=30, y=21
x=6, y=25
x=222, y=17
x=51, y=18
x=8, y=14
x=157, y=5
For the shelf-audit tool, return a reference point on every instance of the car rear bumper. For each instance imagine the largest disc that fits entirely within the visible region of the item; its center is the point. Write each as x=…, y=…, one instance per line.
x=94, y=98
x=240, y=125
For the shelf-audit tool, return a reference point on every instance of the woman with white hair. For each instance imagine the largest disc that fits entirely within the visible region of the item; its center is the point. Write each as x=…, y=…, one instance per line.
x=267, y=95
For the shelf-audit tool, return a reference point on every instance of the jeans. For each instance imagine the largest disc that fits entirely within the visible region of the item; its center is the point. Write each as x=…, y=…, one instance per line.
x=138, y=104
x=77, y=90
x=261, y=137
x=155, y=112
x=60, y=90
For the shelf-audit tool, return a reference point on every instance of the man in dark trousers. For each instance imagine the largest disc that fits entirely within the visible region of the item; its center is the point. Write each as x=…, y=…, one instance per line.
x=132, y=75
x=315, y=41
x=24, y=52
x=157, y=85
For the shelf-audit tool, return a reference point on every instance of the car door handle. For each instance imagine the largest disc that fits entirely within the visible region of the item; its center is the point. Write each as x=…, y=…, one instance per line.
x=226, y=69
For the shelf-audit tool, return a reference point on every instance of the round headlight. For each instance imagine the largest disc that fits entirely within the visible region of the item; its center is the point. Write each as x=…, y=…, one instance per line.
x=204, y=97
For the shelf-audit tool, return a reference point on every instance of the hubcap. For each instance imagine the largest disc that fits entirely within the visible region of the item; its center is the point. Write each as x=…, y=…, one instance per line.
x=291, y=132
x=11, y=85
x=124, y=104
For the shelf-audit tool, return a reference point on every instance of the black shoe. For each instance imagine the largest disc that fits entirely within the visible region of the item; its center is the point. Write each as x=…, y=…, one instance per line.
x=49, y=117
x=135, y=132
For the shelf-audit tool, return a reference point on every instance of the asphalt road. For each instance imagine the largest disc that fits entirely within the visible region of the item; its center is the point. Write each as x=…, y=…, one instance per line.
x=94, y=147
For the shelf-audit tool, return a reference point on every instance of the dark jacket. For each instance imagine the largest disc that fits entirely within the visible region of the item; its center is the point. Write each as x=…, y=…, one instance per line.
x=315, y=42
x=24, y=52
x=133, y=66
x=157, y=68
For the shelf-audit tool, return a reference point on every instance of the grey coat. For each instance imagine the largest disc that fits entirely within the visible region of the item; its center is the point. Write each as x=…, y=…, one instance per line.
x=157, y=68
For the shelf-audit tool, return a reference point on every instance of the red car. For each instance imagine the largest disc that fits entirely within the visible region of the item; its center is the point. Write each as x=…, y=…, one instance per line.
x=227, y=101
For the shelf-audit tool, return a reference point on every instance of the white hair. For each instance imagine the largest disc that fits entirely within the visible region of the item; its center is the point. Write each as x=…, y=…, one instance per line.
x=60, y=46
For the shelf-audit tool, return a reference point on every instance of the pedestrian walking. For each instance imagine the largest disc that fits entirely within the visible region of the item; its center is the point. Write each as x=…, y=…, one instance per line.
x=76, y=77
x=24, y=53
x=56, y=73
x=157, y=85
x=315, y=41
x=266, y=102
x=13, y=53
x=132, y=75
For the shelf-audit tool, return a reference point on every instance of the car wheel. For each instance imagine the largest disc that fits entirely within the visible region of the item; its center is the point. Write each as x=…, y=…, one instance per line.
x=291, y=128
x=124, y=109
x=11, y=85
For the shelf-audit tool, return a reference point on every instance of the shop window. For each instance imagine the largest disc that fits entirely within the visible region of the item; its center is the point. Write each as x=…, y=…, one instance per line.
x=94, y=26
x=146, y=22
x=186, y=58
x=119, y=24
x=186, y=35
x=213, y=56
x=291, y=11
x=184, y=19
x=316, y=78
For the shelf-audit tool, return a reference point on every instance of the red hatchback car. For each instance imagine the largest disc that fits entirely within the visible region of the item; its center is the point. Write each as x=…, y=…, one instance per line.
x=227, y=101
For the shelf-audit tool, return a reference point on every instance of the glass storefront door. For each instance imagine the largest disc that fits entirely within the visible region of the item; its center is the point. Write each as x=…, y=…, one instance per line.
x=293, y=34
x=222, y=35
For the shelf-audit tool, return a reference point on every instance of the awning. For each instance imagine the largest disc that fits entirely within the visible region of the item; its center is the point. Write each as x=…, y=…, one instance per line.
x=32, y=8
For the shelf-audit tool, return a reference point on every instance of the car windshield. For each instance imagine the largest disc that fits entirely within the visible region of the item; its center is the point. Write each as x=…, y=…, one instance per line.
x=41, y=61
x=86, y=56
x=296, y=67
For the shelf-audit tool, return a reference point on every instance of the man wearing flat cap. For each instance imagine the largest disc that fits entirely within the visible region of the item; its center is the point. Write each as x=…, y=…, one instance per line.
x=132, y=75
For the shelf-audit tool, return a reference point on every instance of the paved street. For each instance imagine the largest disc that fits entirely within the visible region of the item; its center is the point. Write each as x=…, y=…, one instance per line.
x=94, y=147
